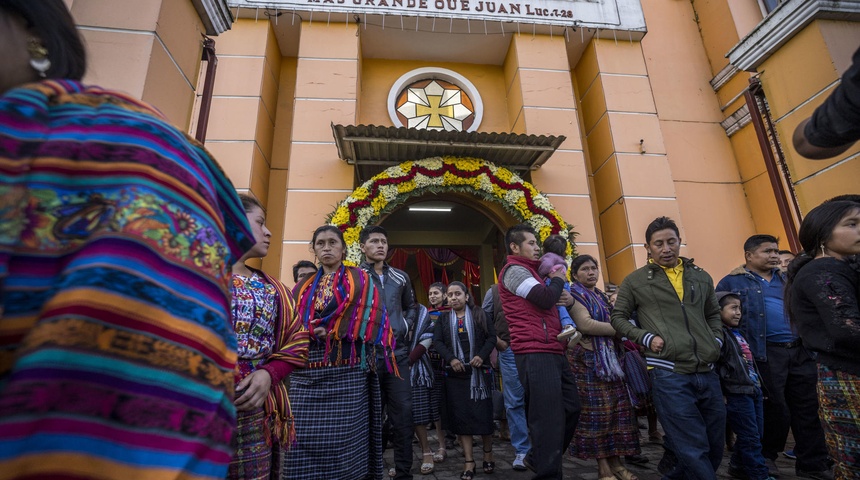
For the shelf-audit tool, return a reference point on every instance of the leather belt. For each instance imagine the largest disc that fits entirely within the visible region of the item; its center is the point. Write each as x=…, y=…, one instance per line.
x=792, y=344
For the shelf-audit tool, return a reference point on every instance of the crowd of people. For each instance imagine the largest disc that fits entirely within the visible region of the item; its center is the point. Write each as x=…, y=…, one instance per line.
x=136, y=342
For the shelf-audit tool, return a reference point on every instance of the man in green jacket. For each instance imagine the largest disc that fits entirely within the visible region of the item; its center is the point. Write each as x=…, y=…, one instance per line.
x=679, y=325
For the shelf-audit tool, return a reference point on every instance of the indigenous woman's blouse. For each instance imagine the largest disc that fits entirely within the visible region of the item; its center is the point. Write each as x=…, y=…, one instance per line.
x=254, y=315
x=325, y=292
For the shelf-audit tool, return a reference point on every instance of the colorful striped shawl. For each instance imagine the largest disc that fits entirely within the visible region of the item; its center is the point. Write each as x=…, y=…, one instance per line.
x=355, y=315
x=291, y=346
x=117, y=232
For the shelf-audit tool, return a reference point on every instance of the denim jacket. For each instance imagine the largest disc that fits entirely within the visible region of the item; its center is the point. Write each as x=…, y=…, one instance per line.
x=743, y=283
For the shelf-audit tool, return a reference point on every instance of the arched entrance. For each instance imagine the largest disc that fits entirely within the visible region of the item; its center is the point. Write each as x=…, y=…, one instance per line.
x=491, y=191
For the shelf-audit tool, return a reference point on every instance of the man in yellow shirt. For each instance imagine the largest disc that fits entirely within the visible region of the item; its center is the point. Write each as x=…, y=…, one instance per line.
x=680, y=327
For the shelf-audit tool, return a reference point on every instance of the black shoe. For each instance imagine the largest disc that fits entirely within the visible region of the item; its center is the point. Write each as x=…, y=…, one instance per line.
x=822, y=475
x=667, y=463
x=737, y=472
x=636, y=459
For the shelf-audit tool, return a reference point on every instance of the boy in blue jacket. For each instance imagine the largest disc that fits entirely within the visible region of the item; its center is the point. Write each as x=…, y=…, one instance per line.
x=739, y=378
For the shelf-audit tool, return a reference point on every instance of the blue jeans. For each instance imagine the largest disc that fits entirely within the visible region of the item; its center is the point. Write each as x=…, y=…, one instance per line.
x=515, y=402
x=746, y=418
x=690, y=408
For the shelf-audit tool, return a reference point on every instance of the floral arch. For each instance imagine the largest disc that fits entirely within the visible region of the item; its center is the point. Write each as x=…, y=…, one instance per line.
x=395, y=185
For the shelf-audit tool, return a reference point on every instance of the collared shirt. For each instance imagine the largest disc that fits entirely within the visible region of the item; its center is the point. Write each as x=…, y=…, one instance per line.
x=676, y=276
x=778, y=328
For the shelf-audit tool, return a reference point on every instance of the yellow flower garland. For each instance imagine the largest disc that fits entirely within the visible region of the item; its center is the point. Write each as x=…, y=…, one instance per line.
x=355, y=211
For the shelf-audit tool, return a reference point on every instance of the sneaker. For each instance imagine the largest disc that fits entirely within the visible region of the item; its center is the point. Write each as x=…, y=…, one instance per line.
x=790, y=454
x=527, y=461
x=518, y=463
x=822, y=475
x=636, y=459
x=568, y=332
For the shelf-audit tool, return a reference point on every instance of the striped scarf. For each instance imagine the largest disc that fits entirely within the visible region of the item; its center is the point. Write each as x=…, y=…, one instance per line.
x=356, y=315
x=607, y=366
x=291, y=346
x=422, y=373
x=479, y=390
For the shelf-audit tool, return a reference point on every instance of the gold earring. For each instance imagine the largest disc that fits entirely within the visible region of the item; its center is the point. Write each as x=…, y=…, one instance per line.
x=38, y=57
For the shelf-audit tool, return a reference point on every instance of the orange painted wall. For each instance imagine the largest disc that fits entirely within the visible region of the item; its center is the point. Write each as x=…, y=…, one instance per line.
x=798, y=78
x=149, y=48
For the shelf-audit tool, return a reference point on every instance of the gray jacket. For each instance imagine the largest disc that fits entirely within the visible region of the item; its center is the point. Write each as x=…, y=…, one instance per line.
x=399, y=300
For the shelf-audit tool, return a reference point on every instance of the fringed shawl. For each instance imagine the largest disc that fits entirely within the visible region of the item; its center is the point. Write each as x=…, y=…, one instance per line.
x=355, y=315
x=478, y=388
x=422, y=372
x=291, y=346
x=606, y=365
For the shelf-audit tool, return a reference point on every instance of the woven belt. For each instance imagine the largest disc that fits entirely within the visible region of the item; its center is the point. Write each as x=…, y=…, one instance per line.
x=792, y=344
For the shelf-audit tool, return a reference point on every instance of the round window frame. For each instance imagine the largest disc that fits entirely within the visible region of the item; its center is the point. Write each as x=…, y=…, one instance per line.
x=433, y=73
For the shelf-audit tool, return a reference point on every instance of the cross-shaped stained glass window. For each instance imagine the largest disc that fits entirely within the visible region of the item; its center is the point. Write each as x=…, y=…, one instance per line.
x=435, y=105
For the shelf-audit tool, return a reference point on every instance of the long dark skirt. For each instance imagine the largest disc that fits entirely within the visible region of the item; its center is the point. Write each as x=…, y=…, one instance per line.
x=338, y=415
x=467, y=416
x=252, y=457
x=605, y=427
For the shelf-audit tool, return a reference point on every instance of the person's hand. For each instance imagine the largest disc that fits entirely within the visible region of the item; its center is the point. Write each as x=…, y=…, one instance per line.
x=558, y=272
x=320, y=332
x=810, y=151
x=566, y=299
x=256, y=388
x=657, y=344
x=457, y=366
x=476, y=362
x=501, y=345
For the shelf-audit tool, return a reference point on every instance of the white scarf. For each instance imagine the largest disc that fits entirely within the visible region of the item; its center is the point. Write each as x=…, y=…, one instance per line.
x=479, y=389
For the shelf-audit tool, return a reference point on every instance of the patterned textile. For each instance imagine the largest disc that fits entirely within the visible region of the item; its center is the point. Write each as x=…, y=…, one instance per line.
x=253, y=313
x=267, y=330
x=606, y=427
x=839, y=402
x=421, y=372
x=607, y=365
x=253, y=460
x=338, y=415
x=350, y=307
x=117, y=233
x=438, y=364
x=424, y=410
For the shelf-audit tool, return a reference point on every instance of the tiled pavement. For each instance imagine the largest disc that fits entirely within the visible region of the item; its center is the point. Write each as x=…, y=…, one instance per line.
x=574, y=468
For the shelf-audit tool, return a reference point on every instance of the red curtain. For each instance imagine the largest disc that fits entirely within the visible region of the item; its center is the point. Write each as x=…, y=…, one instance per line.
x=425, y=268
x=471, y=273
x=397, y=258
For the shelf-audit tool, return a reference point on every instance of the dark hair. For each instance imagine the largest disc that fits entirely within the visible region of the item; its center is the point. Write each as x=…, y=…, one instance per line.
x=438, y=285
x=475, y=310
x=784, y=252
x=757, y=240
x=516, y=235
x=328, y=228
x=579, y=261
x=815, y=230
x=248, y=202
x=367, y=231
x=725, y=299
x=555, y=244
x=661, y=223
x=51, y=21
x=302, y=264
x=848, y=197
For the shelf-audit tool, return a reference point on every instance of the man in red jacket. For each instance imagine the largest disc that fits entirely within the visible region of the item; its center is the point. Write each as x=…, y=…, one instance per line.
x=552, y=402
